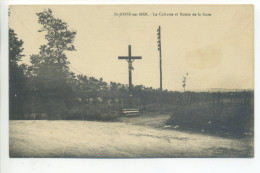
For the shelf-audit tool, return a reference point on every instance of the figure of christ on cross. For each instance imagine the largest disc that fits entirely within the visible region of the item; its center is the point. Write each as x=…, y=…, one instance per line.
x=130, y=59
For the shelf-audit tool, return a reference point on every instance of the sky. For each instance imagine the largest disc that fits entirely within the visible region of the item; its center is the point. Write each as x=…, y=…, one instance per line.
x=216, y=51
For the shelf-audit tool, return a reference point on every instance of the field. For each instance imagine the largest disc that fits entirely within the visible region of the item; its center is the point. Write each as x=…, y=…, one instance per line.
x=144, y=136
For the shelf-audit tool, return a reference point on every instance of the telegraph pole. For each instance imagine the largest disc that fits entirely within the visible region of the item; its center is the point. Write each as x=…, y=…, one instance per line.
x=160, y=54
x=184, y=82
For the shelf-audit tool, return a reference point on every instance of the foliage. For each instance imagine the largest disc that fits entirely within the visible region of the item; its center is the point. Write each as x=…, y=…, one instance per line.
x=17, y=80
x=219, y=114
x=15, y=48
x=50, y=75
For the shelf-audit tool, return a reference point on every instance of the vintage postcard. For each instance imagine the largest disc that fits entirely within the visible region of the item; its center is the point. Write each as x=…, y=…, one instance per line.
x=131, y=81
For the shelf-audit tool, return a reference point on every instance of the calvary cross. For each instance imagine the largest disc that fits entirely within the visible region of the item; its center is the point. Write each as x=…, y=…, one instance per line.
x=130, y=59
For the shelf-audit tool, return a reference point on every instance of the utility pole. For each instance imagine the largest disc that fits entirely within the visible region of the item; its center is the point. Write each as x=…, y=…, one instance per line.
x=184, y=82
x=160, y=54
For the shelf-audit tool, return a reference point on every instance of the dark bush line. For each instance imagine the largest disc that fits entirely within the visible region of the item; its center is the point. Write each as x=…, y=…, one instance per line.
x=221, y=120
x=84, y=112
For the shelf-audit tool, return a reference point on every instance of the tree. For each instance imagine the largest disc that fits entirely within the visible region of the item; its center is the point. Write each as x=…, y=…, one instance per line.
x=15, y=48
x=59, y=38
x=50, y=71
x=17, y=78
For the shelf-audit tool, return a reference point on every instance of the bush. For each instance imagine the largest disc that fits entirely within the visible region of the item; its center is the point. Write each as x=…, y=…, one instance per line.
x=101, y=112
x=222, y=120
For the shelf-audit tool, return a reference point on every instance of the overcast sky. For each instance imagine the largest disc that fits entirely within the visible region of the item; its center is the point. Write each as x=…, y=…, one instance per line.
x=216, y=50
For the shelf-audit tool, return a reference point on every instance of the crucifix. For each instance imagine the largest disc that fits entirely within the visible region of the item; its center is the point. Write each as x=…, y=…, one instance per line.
x=130, y=59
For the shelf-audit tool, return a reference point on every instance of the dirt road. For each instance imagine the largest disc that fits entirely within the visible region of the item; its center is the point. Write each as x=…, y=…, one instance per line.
x=132, y=137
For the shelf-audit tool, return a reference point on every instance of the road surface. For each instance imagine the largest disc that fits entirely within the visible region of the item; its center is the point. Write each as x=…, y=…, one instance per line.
x=132, y=137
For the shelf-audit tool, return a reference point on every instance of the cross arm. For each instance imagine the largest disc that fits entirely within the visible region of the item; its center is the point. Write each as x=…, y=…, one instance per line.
x=136, y=57
x=123, y=57
x=127, y=57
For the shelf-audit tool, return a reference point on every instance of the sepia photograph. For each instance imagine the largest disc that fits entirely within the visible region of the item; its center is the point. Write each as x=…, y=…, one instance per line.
x=131, y=81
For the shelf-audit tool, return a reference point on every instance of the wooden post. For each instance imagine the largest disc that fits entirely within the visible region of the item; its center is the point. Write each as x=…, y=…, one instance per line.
x=130, y=67
x=160, y=54
x=160, y=69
